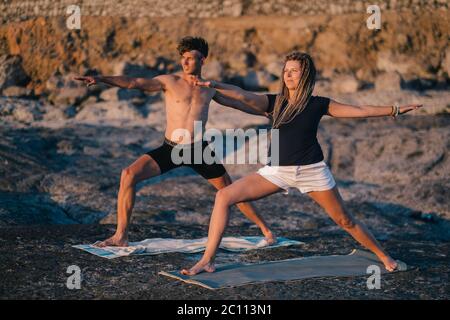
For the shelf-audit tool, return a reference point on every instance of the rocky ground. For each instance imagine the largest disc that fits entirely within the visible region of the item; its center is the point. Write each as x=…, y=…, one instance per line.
x=58, y=182
x=36, y=259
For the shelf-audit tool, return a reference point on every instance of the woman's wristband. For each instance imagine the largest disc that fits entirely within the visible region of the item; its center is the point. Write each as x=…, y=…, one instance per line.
x=395, y=110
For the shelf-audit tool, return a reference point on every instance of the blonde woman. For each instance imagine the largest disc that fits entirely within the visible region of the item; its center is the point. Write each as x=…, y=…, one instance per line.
x=296, y=114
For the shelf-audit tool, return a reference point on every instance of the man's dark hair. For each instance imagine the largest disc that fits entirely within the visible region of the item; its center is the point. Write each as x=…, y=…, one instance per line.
x=193, y=43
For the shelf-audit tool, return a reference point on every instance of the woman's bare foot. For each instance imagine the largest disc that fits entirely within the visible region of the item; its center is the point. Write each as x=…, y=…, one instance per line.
x=198, y=268
x=114, y=241
x=389, y=263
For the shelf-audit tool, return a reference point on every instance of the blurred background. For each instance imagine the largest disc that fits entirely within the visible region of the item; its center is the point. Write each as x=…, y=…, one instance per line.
x=63, y=146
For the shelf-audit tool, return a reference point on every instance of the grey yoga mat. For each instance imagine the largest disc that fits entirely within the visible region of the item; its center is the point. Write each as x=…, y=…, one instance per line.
x=232, y=275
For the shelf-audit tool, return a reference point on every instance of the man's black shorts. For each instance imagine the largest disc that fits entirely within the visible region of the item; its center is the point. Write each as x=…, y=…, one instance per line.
x=163, y=157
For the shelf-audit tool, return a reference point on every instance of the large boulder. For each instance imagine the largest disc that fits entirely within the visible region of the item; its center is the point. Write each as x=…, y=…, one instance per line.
x=64, y=90
x=213, y=71
x=275, y=68
x=241, y=61
x=405, y=65
x=16, y=91
x=255, y=80
x=159, y=64
x=106, y=111
x=27, y=111
x=116, y=94
x=20, y=110
x=345, y=84
x=11, y=72
x=134, y=70
x=388, y=81
x=446, y=63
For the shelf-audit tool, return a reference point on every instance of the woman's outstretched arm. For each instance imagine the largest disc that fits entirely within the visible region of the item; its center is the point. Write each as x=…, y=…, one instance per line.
x=340, y=110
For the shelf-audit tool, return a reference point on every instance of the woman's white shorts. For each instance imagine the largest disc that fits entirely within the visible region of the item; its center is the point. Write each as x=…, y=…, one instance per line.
x=311, y=177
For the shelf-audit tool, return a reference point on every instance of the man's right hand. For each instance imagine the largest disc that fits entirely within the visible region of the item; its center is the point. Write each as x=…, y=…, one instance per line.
x=196, y=81
x=204, y=83
x=89, y=81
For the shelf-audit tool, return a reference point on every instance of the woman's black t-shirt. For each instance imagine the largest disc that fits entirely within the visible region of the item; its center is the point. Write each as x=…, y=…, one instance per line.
x=298, y=143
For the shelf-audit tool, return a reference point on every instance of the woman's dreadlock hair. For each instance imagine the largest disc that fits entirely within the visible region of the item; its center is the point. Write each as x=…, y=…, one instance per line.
x=302, y=92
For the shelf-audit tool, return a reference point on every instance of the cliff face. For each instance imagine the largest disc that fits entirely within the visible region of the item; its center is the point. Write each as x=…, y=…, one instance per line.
x=413, y=40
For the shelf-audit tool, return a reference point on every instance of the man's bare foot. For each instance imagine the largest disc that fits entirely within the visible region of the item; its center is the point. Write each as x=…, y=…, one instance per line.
x=389, y=263
x=198, y=268
x=269, y=239
x=114, y=241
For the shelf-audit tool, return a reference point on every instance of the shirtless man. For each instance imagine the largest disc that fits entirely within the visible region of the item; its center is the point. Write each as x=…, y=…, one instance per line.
x=185, y=103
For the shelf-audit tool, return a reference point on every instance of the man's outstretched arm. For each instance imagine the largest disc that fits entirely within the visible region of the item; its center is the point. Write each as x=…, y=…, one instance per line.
x=236, y=104
x=235, y=97
x=144, y=84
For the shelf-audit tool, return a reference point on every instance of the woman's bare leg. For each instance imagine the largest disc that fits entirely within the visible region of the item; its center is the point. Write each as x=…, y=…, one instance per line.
x=246, y=208
x=249, y=188
x=331, y=201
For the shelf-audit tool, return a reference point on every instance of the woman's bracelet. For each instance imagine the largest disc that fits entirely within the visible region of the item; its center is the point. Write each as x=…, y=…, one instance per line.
x=395, y=110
